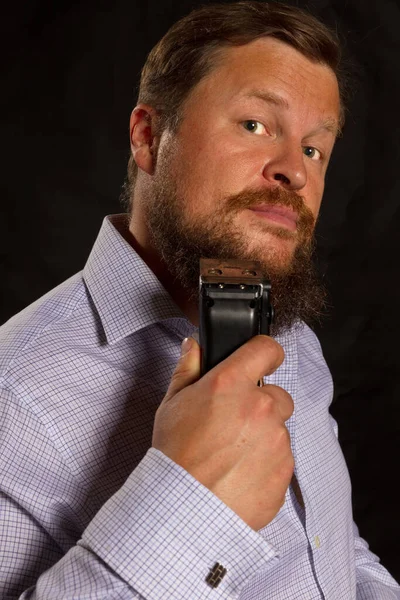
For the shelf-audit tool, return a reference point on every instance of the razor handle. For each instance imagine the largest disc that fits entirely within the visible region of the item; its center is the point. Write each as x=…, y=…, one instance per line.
x=234, y=305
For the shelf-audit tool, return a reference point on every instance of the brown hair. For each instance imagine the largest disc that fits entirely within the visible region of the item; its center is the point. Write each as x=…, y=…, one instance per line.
x=185, y=54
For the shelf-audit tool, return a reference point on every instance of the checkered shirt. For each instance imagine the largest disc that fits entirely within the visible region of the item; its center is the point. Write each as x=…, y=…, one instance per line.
x=89, y=511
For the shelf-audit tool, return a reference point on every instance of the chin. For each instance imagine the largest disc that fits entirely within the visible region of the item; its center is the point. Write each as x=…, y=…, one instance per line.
x=275, y=253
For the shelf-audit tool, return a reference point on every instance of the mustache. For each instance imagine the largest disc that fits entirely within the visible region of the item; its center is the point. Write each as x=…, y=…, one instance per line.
x=276, y=197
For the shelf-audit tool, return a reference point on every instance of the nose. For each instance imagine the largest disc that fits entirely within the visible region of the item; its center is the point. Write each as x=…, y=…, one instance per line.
x=287, y=169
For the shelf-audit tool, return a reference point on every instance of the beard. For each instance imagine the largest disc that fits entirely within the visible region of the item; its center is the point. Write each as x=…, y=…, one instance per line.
x=182, y=239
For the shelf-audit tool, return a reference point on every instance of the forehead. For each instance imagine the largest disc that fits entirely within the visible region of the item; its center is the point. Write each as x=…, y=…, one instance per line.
x=275, y=68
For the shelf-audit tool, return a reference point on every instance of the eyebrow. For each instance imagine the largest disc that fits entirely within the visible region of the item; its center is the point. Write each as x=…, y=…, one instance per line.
x=269, y=97
x=330, y=124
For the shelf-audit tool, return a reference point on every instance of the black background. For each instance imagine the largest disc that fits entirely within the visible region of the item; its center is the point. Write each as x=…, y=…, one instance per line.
x=68, y=86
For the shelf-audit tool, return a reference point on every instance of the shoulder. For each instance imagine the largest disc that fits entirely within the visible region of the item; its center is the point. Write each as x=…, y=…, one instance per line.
x=43, y=325
x=302, y=342
x=308, y=344
x=313, y=371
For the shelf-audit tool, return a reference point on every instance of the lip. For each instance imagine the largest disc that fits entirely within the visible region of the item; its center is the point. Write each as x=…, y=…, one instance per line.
x=281, y=215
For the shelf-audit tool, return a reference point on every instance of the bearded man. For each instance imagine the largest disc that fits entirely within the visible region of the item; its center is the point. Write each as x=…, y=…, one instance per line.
x=127, y=475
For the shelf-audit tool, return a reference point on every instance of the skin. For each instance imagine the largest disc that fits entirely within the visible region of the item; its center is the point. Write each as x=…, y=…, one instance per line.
x=264, y=117
x=215, y=156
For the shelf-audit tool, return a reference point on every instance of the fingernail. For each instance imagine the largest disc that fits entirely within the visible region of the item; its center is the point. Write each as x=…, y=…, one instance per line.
x=186, y=345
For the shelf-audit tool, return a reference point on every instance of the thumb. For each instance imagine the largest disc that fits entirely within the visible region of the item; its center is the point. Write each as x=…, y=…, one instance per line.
x=187, y=370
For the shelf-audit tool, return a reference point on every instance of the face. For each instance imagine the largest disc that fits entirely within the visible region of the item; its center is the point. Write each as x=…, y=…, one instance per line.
x=244, y=174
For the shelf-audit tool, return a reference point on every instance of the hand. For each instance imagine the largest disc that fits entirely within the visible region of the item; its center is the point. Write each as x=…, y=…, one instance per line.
x=229, y=433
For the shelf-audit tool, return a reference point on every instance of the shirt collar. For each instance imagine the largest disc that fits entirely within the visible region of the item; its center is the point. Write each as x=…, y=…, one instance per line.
x=129, y=297
x=126, y=293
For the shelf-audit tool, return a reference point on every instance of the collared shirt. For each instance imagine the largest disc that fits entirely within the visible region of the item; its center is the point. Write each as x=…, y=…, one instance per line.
x=90, y=511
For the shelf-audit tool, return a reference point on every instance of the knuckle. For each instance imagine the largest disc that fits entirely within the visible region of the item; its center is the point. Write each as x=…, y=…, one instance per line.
x=183, y=368
x=281, y=399
x=271, y=390
x=264, y=406
x=270, y=397
x=283, y=437
x=266, y=400
x=179, y=376
x=219, y=381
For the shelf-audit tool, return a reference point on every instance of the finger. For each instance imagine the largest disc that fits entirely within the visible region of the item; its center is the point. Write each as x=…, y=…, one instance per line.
x=260, y=356
x=284, y=400
x=187, y=370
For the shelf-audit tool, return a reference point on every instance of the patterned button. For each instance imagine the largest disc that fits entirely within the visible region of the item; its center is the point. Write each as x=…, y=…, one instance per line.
x=216, y=575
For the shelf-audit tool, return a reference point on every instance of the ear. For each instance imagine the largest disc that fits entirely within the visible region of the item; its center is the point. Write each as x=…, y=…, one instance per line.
x=144, y=142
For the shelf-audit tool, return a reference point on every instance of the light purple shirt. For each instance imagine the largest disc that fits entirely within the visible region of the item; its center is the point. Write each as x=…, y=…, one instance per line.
x=88, y=511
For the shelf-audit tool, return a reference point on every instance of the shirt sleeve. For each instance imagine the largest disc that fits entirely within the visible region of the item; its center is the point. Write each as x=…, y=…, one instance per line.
x=158, y=537
x=373, y=580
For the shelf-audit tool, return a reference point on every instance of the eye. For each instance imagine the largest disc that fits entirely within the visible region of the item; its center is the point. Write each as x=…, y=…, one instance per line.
x=254, y=126
x=312, y=153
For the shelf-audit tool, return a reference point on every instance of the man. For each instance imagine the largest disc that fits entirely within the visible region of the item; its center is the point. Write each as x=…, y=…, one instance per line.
x=114, y=486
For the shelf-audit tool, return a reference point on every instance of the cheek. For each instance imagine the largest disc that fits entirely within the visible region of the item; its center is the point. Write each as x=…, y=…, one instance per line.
x=213, y=165
x=211, y=171
x=318, y=200
x=313, y=194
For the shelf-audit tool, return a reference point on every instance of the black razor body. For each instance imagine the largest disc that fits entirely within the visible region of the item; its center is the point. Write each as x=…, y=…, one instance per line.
x=235, y=305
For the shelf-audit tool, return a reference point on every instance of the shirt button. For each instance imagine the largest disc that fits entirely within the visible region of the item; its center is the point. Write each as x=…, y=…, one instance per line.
x=317, y=541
